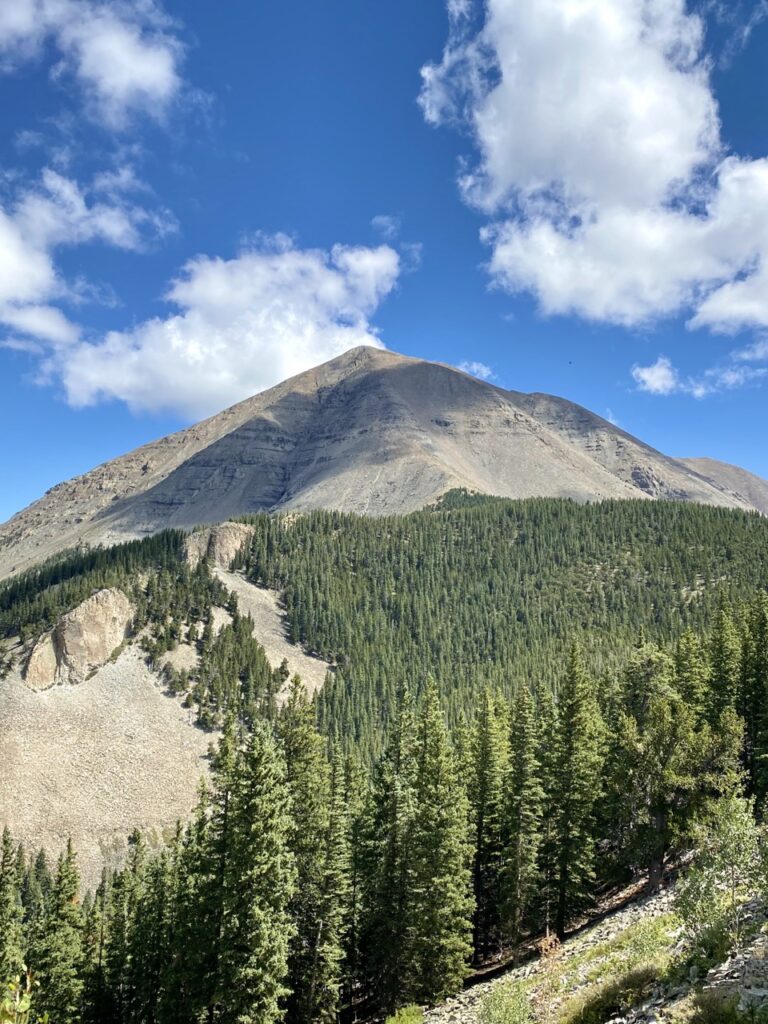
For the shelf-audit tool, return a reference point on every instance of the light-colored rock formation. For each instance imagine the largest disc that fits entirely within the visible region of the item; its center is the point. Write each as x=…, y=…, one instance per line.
x=370, y=432
x=83, y=640
x=221, y=543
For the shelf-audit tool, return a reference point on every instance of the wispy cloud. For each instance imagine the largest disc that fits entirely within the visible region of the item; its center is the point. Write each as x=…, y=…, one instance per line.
x=386, y=225
x=124, y=57
x=663, y=378
x=477, y=369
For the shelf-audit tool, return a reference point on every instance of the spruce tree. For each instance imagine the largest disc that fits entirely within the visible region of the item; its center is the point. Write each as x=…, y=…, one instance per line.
x=548, y=728
x=59, y=956
x=260, y=873
x=489, y=757
x=11, y=913
x=691, y=672
x=442, y=901
x=388, y=864
x=577, y=787
x=317, y=904
x=522, y=816
x=725, y=658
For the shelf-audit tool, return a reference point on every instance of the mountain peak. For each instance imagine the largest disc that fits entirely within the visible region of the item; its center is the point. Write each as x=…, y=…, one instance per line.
x=371, y=431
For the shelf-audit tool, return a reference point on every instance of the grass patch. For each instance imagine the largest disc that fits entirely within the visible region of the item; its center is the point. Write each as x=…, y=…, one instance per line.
x=407, y=1015
x=612, y=976
x=710, y=1008
x=505, y=1003
x=610, y=998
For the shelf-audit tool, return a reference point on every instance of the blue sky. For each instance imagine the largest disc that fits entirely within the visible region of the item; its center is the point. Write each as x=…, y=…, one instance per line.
x=197, y=200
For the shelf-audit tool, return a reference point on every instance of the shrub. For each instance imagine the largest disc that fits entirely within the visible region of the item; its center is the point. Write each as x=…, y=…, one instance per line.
x=407, y=1015
x=716, y=1008
x=505, y=1003
x=611, y=998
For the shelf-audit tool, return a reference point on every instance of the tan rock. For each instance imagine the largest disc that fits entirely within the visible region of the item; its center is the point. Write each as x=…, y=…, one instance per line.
x=82, y=640
x=221, y=544
x=43, y=665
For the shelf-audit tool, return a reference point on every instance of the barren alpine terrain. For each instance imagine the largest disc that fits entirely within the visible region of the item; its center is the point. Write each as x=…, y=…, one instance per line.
x=370, y=432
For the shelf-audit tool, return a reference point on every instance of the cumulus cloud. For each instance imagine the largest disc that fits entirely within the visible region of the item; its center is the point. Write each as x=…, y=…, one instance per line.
x=599, y=162
x=123, y=55
x=662, y=378
x=477, y=369
x=241, y=325
x=43, y=217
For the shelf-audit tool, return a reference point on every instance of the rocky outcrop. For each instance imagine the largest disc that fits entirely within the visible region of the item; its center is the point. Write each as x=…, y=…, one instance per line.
x=220, y=544
x=81, y=641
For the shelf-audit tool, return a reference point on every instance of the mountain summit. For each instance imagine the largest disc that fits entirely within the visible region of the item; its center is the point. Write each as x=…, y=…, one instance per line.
x=370, y=432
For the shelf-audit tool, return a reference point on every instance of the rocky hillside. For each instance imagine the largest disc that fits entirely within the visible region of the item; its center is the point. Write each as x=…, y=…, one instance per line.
x=371, y=432
x=633, y=966
x=93, y=738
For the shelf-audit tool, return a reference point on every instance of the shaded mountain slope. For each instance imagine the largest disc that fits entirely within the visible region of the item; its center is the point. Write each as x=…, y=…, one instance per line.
x=370, y=432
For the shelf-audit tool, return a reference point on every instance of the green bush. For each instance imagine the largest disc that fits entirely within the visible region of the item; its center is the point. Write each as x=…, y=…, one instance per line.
x=610, y=998
x=407, y=1015
x=506, y=1003
x=716, y=1008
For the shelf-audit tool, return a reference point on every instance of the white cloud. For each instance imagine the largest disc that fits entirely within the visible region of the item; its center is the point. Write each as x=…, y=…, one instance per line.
x=122, y=54
x=758, y=350
x=242, y=325
x=660, y=378
x=600, y=163
x=386, y=225
x=44, y=217
x=477, y=369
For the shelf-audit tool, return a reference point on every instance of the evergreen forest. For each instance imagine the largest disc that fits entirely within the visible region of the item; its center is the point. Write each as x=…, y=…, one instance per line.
x=529, y=703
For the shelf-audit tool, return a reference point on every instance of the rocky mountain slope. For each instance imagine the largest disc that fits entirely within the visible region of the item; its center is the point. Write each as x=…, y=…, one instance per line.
x=91, y=736
x=371, y=432
x=732, y=478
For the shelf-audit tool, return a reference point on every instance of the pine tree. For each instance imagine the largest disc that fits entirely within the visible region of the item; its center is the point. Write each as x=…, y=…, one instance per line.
x=11, y=912
x=725, y=656
x=486, y=793
x=668, y=762
x=317, y=904
x=388, y=864
x=522, y=816
x=442, y=886
x=577, y=787
x=257, y=928
x=59, y=956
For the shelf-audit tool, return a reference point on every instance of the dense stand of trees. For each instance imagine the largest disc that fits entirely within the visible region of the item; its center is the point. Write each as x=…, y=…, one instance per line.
x=532, y=701
x=488, y=592
x=305, y=884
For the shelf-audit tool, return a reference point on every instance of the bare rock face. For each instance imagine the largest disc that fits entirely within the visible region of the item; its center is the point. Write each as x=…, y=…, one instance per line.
x=83, y=640
x=221, y=544
x=369, y=432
